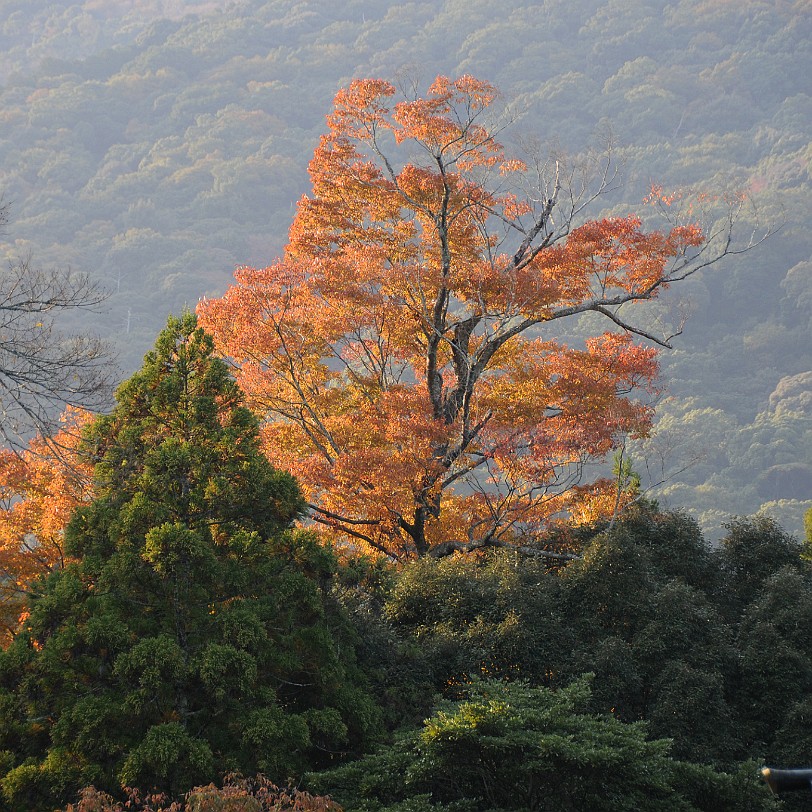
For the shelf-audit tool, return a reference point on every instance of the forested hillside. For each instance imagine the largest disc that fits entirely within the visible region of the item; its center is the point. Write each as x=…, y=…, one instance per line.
x=157, y=145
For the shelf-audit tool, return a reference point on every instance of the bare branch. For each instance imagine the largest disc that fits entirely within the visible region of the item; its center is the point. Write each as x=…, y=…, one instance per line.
x=43, y=368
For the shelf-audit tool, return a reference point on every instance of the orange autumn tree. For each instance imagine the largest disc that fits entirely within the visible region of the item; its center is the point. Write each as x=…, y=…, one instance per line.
x=39, y=488
x=403, y=353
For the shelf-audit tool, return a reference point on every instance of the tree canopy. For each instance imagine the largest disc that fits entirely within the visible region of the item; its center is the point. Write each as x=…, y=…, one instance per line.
x=513, y=747
x=190, y=636
x=405, y=355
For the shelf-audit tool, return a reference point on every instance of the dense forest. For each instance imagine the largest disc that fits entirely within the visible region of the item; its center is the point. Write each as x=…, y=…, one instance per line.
x=469, y=474
x=157, y=145
x=193, y=635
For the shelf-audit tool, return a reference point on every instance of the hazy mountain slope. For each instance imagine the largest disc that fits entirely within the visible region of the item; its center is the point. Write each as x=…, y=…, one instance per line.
x=159, y=144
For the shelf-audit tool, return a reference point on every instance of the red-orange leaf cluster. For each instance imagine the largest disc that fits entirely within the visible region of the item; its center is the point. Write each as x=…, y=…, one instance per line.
x=39, y=488
x=401, y=353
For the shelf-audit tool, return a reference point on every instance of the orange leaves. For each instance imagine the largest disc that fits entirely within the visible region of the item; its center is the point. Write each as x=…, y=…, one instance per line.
x=682, y=211
x=445, y=120
x=476, y=94
x=559, y=404
x=238, y=793
x=360, y=201
x=592, y=386
x=605, y=255
x=602, y=261
x=681, y=237
x=601, y=499
x=359, y=108
x=38, y=491
x=657, y=196
x=400, y=352
x=611, y=258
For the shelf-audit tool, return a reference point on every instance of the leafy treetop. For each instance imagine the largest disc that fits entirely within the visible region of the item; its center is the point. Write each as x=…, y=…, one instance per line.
x=190, y=637
x=404, y=353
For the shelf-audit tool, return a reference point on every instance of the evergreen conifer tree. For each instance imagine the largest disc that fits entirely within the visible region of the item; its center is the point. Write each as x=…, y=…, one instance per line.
x=191, y=636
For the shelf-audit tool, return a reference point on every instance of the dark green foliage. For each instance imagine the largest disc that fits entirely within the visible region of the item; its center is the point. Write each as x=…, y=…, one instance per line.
x=651, y=632
x=709, y=647
x=775, y=649
x=399, y=667
x=751, y=552
x=195, y=634
x=500, y=616
x=507, y=746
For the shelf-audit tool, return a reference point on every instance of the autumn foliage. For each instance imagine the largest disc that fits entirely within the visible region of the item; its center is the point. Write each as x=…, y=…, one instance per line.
x=403, y=353
x=238, y=794
x=39, y=488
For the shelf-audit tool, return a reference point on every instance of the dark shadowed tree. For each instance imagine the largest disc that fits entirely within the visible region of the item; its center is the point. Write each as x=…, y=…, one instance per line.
x=753, y=550
x=513, y=747
x=775, y=651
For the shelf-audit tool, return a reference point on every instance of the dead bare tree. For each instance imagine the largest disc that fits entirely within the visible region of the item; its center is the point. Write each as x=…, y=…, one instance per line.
x=43, y=367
